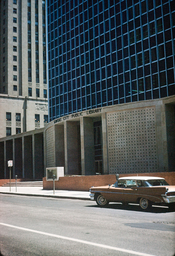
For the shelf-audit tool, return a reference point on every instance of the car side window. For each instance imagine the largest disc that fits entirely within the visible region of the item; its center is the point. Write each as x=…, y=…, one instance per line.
x=121, y=183
x=131, y=183
x=139, y=183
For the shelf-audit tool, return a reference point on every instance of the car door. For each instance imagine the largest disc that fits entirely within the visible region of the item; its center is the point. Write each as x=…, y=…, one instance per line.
x=130, y=192
x=115, y=194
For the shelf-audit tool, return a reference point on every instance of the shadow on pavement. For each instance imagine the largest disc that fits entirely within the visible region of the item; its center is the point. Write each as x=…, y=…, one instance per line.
x=134, y=207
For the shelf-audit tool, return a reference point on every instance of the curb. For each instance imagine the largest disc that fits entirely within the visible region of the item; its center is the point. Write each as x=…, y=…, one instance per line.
x=51, y=196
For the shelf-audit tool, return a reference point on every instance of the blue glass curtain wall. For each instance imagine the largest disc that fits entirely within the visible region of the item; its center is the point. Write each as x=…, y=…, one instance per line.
x=106, y=52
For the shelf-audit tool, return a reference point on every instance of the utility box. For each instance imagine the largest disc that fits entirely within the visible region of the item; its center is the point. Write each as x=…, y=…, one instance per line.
x=54, y=172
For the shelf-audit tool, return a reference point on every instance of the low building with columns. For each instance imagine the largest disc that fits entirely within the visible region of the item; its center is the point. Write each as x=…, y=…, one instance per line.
x=136, y=137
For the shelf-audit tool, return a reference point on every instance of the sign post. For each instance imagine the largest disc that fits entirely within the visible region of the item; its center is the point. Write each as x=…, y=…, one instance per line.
x=54, y=184
x=16, y=176
x=10, y=165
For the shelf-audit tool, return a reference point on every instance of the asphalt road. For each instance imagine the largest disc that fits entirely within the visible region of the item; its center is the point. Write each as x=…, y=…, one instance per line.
x=52, y=227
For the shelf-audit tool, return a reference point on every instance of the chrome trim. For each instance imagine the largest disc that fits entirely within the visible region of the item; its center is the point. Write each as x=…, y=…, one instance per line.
x=91, y=196
x=169, y=199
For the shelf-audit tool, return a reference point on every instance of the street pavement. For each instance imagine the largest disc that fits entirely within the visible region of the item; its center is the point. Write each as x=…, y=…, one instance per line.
x=39, y=191
x=45, y=226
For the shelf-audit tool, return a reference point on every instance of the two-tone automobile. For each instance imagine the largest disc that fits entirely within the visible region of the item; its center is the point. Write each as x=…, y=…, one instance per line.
x=144, y=190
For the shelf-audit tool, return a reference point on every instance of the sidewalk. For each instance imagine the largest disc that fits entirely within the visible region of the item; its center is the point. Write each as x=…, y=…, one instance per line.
x=38, y=191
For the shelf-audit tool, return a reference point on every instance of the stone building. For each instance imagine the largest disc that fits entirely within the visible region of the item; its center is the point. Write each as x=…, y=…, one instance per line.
x=135, y=137
x=23, y=72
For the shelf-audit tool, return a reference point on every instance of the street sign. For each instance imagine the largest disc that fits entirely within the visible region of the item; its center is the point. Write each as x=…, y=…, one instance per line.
x=10, y=163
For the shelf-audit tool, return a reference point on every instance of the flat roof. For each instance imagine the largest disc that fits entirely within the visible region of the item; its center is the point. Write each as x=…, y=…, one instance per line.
x=140, y=178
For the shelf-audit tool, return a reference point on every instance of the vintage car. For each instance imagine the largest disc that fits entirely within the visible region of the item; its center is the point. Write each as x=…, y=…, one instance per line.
x=136, y=189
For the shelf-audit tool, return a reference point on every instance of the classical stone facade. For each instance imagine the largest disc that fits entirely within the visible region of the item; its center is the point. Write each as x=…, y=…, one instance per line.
x=127, y=138
x=23, y=73
x=23, y=111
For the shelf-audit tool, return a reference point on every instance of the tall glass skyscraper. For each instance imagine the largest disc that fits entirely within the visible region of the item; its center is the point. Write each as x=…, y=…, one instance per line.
x=105, y=52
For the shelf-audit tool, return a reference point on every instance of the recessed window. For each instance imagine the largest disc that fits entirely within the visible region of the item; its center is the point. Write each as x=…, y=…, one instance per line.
x=8, y=131
x=45, y=118
x=37, y=118
x=8, y=116
x=14, y=10
x=45, y=93
x=14, y=38
x=14, y=58
x=14, y=20
x=18, y=117
x=14, y=1
x=15, y=48
x=15, y=88
x=14, y=68
x=14, y=29
x=14, y=77
x=29, y=91
x=18, y=130
x=37, y=92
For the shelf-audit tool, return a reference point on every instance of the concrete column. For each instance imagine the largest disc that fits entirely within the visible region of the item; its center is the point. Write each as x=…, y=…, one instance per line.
x=169, y=137
x=39, y=156
x=59, y=145
x=73, y=148
x=45, y=152
x=9, y=155
x=65, y=149
x=23, y=168
x=2, y=160
x=82, y=146
x=33, y=155
x=104, y=144
x=18, y=157
x=14, y=162
x=5, y=161
x=28, y=157
x=87, y=146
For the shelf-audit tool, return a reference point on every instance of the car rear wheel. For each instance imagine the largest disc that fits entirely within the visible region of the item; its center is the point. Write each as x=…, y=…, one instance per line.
x=144, y=203
x=101, y=201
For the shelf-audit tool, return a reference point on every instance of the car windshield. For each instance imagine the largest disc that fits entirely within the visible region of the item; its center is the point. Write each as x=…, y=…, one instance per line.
x=158, y=182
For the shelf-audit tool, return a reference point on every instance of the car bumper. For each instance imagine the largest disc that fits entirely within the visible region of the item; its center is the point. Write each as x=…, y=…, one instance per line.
x=91, y=196
x=169, y=199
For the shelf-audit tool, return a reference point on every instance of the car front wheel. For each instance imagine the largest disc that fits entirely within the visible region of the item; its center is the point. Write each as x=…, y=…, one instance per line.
x=144, y=203
x=101, y=201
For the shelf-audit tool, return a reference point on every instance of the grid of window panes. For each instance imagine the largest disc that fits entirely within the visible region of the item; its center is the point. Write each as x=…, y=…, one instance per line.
x=36, y=42
x=106, y=52
x=44, y=41
x=29, y=42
